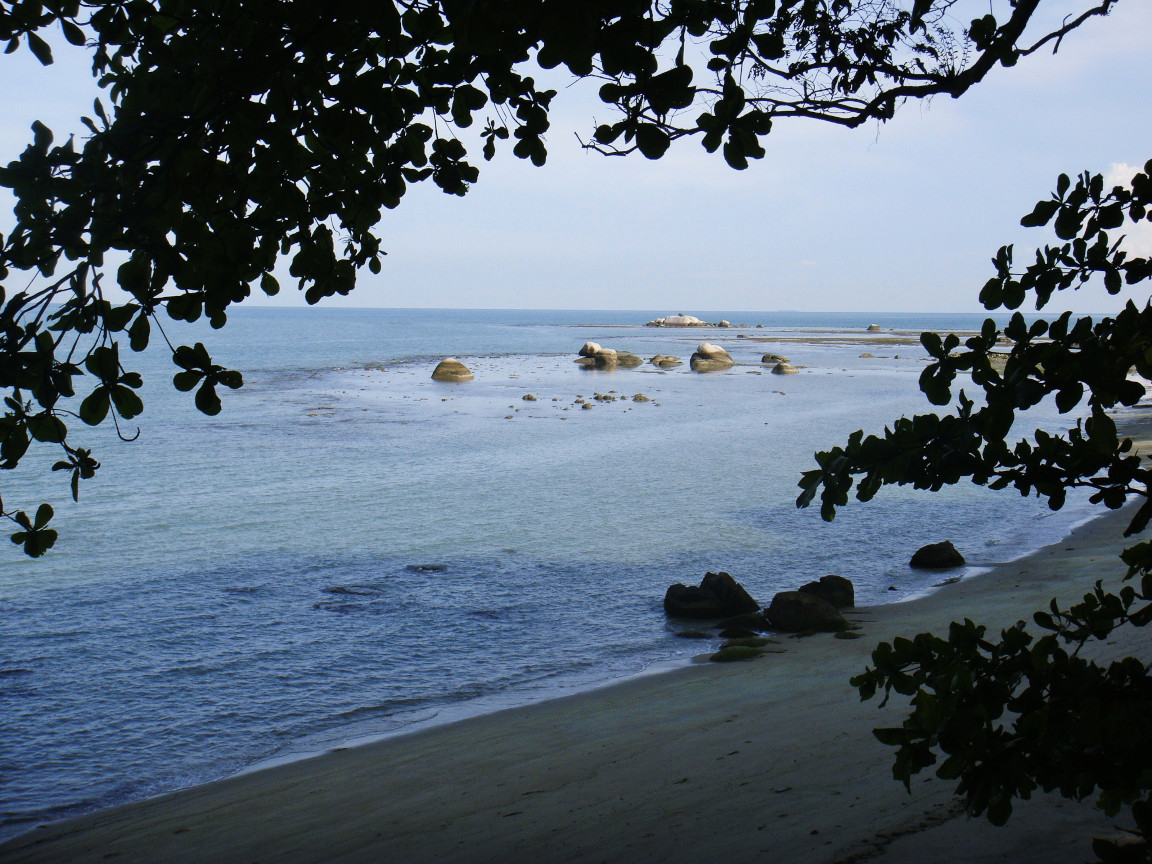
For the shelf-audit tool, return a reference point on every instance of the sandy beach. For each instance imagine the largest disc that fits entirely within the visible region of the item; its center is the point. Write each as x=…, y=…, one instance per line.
x=768, y=760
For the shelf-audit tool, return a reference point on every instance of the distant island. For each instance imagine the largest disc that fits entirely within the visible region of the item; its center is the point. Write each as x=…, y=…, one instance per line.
x=684, y=321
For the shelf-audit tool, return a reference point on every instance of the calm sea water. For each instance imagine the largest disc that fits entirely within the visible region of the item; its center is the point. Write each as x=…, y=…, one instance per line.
x=351, y=549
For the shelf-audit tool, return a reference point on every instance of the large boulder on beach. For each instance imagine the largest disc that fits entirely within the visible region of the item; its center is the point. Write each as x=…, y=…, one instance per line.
x=451, y=369
x=710, y=358
x=833, y=589
x=873, y=328
x=937, y=556
x=717, y=596
x=799, y=611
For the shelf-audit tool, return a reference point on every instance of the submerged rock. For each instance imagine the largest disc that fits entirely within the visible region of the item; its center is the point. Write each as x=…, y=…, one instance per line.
x=736, y=653
x=451, y=369
x=774, y=358
x=666, y=360
x=937, y=556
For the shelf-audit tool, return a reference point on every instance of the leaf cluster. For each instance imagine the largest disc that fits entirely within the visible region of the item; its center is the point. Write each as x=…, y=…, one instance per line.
x=1074, y=362
x=1005, y=717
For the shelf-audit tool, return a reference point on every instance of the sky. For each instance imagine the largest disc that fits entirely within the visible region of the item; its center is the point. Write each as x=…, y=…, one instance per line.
x=900, y=217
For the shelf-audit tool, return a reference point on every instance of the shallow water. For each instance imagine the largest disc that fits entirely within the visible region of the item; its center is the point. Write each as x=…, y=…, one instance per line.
x=351, y=548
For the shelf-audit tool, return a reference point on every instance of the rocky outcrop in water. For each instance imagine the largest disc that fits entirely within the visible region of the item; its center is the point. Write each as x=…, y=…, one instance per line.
x=666, y=361
x=678, y=321
x=937, y=556
x=594, y=356
x=710, y=358
x=717, y=596
x=451, y=369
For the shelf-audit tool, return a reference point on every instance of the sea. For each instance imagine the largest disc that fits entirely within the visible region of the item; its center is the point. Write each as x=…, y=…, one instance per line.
x=351, y=550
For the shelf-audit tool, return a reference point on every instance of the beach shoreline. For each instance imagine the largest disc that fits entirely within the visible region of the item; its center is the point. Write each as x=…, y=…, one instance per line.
x=767, y=760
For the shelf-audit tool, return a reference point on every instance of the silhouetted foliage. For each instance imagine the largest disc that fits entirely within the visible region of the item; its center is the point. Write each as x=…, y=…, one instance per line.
x=1026, y=711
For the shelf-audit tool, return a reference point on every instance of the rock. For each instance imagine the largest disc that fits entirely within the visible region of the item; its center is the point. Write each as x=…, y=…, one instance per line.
x=717, y=596
x=784, y=369
x=747, y=621
x=627, y=359
x=836, y=590
x=798, y=611
x=602, y=358
x=736, y=653
x=723, y=324
x=712, y=352
x=867, y=354
x=737, y=633
x=937, y=556
x=590, y=349
x=678, y=321
x=749, y=642
x=710, y=358
x=528, y=397
x=873, y=328
x=774, y=358
x=666, y=360
x=700, y=364
x=451, y=369
x=640, y=397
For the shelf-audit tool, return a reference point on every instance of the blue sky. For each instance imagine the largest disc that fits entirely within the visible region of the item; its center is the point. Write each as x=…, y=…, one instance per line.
x=899, y=217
